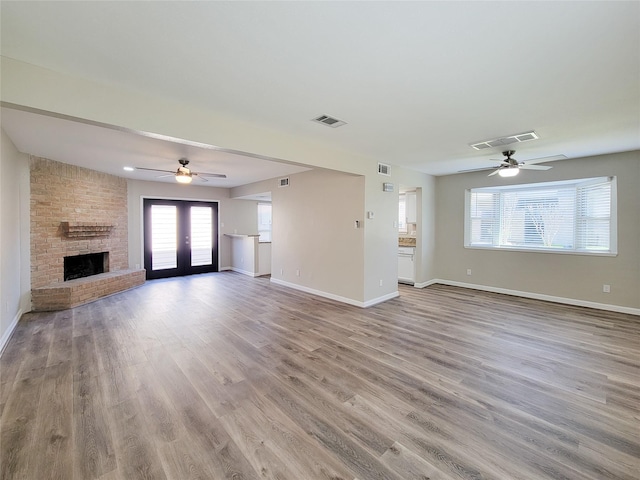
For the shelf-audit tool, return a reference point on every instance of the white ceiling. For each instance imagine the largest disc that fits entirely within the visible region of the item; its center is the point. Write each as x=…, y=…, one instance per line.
x=109, y=150
x=416, y=82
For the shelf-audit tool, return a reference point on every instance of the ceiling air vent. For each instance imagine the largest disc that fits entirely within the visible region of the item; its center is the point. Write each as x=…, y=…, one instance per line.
x=502, y=141
x=384, y=169
x=283, y=182
x=329, y=121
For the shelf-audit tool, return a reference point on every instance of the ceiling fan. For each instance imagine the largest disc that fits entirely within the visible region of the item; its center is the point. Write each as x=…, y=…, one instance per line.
x=510, y=166
x=184, y=174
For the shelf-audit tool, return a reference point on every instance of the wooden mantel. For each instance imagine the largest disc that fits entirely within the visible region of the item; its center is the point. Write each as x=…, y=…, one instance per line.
x=85, y=229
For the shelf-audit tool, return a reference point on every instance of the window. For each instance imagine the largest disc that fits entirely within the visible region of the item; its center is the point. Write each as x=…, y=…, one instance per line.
x=577, y=216
x=264, y=222
x=402, y=214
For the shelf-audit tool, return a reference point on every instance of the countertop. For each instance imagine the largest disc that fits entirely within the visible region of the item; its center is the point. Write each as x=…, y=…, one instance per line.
x=407, y=241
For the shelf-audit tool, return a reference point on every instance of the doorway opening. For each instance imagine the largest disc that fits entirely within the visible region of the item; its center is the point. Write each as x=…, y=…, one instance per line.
x=180, y=237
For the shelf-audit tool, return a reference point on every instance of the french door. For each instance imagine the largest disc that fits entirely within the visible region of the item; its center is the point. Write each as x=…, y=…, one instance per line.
x=180, y=237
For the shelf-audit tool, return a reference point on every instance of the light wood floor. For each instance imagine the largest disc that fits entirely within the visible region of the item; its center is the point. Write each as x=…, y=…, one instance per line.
x=223, y=376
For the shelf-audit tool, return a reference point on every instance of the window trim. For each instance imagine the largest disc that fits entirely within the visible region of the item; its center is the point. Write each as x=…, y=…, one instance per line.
x=613, y=228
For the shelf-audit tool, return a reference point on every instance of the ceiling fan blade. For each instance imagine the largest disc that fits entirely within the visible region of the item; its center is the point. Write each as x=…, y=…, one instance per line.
x=165, y=176
x=155, y=170
x=199, y=177
x=533, y=167
x=494, y=172
x=475, y=170
x=214, y=175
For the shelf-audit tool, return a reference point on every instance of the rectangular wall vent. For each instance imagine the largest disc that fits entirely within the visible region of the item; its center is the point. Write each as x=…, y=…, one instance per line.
x=384, y=169
x=283, y=182
x=329, y=121
x=502, y=141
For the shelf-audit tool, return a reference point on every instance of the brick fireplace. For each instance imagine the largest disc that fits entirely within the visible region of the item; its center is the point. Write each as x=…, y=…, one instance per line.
x=77, y=212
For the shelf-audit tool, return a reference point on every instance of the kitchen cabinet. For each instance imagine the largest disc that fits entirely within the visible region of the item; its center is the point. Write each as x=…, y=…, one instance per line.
x=411, y=210
x=406, y=265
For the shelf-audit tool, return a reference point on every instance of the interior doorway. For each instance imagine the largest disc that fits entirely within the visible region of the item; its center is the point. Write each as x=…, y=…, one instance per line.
x=180, y=237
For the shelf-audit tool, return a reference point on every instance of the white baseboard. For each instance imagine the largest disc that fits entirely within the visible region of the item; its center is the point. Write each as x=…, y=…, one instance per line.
x=7, y=334
x=538, y=296
x=425, y=284
x=332, y=296
x=383, y=298
x=243, y=272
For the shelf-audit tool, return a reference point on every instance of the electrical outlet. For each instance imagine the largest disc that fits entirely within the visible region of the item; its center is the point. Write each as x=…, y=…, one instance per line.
x=469, y=271
x=281, y=271
x=297, y=272
x=606, y=288
x=380, y=282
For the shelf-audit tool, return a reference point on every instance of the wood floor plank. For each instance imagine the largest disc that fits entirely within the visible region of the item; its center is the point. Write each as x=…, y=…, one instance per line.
x=93, y=451
x=409, y=465
x=135, y=450
x=249, y=441
x=162, y=419
x=292, y=443
x=245, y=379
x=52, y=437
x=18, y=425
x=184, y=461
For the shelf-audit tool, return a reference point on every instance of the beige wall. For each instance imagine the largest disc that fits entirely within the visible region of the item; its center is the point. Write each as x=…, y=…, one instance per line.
x=314, y=233
x=15, y=279
x=565, y=276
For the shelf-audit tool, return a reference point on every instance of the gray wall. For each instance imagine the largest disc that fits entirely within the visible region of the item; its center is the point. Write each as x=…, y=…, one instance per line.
x=567, y=276
x=15, y=279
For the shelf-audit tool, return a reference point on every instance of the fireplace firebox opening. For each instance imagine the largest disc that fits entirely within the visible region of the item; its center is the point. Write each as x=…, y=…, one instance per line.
x=79, y=266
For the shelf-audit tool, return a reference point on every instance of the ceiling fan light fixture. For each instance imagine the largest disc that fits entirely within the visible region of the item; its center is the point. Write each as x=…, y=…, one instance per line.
x=509, y=171
x=182, y=177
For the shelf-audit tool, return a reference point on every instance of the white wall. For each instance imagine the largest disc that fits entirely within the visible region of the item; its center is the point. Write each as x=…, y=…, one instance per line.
x=15, y=279
x=244, y=255
x=264, y=258
x=563, y=276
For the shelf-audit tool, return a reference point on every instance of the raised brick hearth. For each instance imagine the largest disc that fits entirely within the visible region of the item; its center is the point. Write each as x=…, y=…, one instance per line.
x=60, y=296
x=76, y=211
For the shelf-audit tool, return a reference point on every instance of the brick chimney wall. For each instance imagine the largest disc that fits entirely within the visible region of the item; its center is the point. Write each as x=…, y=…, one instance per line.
x=66, y=193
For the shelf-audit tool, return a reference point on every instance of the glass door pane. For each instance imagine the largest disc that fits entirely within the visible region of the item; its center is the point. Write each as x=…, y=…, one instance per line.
x=201, y=236
x=164, y=236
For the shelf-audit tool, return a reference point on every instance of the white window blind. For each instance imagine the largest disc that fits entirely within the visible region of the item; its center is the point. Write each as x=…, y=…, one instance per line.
x=201, y=236
x=164, y=235
x=264, y=222
x=402, y=214
x=571, y=216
